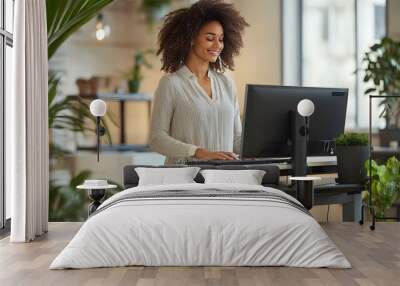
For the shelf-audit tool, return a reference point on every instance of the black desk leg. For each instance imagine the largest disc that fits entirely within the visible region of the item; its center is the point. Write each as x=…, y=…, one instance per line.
x=96, y=196
x=122, y=122
x=305, y=193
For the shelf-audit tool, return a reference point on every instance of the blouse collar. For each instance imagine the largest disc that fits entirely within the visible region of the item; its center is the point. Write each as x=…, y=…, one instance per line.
x=185, y=71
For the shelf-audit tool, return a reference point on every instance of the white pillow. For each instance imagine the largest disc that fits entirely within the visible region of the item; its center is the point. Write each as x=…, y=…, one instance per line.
x=165, y=176
x=248, y=177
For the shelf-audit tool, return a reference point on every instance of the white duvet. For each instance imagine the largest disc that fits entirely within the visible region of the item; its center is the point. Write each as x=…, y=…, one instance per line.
x=200, y=231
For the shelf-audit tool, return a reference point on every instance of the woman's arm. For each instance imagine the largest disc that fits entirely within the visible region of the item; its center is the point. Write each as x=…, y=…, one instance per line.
x=162, y=114
x=237, y=130
x=237, y=127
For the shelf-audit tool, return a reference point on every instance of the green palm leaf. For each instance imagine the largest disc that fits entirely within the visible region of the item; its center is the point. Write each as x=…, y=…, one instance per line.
x=63, y=18
x=66, y=16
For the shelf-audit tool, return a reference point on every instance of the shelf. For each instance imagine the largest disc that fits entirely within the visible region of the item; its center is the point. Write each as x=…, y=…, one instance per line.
x=118, y=148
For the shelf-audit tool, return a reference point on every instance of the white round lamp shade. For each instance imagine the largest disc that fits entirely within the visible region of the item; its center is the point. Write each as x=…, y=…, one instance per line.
x=305, y=107
x=98, y=107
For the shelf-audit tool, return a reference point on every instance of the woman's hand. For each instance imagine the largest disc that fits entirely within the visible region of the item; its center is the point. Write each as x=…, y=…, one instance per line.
x=204, y=154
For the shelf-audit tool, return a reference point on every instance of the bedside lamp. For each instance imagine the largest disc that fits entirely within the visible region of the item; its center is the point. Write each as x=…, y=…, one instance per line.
x=98, y=108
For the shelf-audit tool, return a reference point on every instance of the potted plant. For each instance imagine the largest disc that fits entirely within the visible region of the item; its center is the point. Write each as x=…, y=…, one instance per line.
x=383, y=70
x=63, y=19
x=352, y=151
x=135, y=75
x=385, y=185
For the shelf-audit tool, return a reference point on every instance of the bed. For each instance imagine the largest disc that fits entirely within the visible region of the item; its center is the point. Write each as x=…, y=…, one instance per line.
x=197, y=224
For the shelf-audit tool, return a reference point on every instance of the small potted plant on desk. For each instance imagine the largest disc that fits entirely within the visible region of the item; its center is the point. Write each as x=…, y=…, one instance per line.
x=385, y=186
x=352, y=151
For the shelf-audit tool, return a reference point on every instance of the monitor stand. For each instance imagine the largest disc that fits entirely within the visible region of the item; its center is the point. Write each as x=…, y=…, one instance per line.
x=299, y=136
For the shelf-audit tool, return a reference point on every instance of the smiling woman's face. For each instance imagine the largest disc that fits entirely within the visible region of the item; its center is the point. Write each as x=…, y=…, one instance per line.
x=209, y=42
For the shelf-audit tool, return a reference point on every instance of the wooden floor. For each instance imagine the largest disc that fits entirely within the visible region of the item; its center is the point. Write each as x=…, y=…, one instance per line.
x=375, y=257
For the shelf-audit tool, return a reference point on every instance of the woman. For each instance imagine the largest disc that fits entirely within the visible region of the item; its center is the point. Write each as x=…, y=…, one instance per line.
x=195, y=109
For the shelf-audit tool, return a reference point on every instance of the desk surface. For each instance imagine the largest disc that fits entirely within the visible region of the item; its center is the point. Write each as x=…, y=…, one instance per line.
x=323, y=161
x=316, y=165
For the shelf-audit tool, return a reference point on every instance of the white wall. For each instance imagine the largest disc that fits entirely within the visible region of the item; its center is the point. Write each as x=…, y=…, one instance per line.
x=259, y=61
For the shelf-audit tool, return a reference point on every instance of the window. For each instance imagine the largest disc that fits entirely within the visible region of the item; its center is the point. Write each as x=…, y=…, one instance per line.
x=6, y=43
x=371, y=27
x=329, y=57
x=324, y=42
x=379, y=20
x=9, y=15
x=335, y=36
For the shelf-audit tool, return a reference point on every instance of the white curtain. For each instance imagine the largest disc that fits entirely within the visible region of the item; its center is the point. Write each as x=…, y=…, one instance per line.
x=27, y=124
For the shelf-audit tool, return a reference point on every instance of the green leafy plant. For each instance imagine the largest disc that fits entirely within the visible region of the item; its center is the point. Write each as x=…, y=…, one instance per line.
x=63, y=19
x=69, y=204
x=66, y=203
x=72, y=113
x=383, y=70
x=352, y=139
x=135, y=75
x=385, y=184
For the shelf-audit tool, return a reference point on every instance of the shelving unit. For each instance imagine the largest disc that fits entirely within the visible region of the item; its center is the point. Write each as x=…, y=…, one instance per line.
x=122, y=98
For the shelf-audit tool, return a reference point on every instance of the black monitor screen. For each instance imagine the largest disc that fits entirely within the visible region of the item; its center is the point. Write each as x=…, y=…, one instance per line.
x=266, y=125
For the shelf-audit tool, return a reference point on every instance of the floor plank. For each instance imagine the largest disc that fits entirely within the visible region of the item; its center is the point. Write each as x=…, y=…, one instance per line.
x=374, y=255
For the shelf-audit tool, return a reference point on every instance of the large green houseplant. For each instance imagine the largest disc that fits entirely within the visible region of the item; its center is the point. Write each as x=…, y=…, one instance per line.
x=63, y=19
x=385, y=184
x=382, y=63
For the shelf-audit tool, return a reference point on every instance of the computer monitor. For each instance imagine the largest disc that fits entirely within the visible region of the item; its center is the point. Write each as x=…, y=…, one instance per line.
x=267, y=123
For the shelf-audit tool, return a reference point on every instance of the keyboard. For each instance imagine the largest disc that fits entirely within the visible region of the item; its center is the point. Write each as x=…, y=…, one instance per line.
x=247, y=161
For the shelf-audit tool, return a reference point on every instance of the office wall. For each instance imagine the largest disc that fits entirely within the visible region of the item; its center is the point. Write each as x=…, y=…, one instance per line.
x=260, y=59
x=83, y=56
x=394, y=19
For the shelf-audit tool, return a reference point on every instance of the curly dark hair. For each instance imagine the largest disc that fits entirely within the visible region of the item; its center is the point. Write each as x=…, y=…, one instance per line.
x=182, y=26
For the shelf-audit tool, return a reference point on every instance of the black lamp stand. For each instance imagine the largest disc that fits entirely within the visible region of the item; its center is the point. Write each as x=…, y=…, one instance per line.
x=100, y=131
x=96, y=195
x=299, y=129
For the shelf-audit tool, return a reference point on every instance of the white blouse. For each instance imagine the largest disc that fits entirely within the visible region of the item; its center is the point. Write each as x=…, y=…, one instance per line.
x=185, y=118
